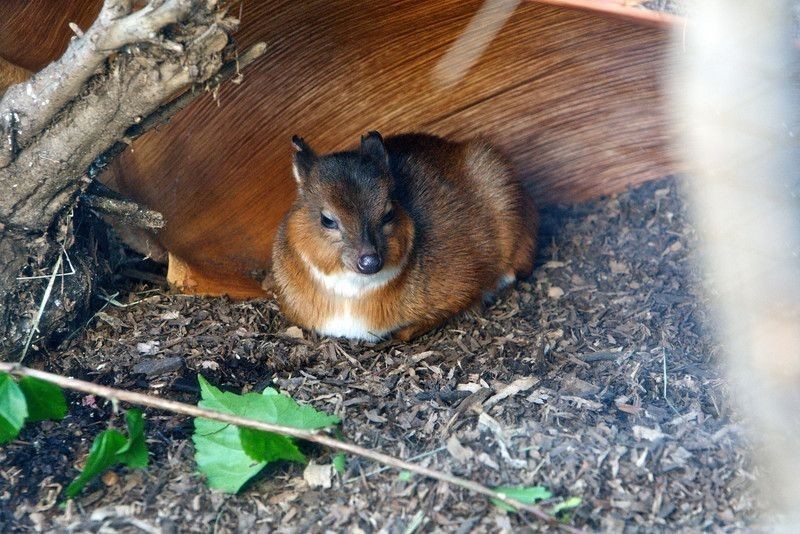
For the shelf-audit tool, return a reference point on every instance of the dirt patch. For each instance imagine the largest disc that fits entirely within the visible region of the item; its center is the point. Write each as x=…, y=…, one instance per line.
x=610, y=314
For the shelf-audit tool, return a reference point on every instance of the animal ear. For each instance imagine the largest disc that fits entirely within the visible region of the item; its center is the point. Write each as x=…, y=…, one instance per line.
x=303, y=161
x=372, y=147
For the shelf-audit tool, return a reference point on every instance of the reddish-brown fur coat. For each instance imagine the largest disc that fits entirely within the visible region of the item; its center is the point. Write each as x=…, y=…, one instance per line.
x=463, y=225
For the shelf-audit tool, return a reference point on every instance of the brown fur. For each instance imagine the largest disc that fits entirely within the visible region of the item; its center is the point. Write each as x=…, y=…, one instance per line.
x=462, y=223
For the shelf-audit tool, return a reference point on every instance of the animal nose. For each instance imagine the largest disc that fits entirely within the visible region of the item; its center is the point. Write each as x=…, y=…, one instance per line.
x=369, y=263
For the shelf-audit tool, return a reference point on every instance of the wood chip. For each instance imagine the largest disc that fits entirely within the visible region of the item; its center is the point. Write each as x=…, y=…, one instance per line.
x=572, y=431
x=458, y=451
x=517, y=386
x=294, y=332
x=148, y=349
x=318, y=476
x=618, y=267
x=648, y=434
x=159, y=367
x=555, y=292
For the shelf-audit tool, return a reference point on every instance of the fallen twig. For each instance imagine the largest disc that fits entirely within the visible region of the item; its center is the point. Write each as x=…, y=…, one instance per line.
x=315, y=437
x=38, y=318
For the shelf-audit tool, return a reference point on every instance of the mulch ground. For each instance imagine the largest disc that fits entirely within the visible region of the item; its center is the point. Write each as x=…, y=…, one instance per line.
x=618, y=400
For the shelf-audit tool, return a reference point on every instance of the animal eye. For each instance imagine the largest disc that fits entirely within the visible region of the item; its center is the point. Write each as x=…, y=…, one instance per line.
x=327, y=222
x=388, y=216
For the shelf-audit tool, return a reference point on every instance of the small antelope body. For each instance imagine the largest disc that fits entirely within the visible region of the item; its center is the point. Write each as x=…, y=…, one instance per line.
x=396, y=237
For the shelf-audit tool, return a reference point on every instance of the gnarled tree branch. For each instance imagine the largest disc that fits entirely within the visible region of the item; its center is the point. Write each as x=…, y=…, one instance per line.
x=26, y=109
x=135, y=84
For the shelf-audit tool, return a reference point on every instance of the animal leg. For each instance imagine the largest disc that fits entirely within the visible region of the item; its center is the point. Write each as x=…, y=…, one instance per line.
x=407, y=333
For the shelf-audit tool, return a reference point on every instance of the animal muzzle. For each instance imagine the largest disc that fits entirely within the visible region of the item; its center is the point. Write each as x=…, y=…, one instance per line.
x=370, y=263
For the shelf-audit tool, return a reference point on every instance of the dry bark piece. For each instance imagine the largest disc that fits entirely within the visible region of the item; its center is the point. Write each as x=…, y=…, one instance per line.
x=318, y=476
x=517, y=386
x=159, y=367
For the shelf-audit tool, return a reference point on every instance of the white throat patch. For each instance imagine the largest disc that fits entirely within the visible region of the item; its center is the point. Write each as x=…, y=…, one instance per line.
x=350, y=284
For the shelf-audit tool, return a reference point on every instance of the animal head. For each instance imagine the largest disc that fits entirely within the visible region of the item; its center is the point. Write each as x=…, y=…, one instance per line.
x=347, y=215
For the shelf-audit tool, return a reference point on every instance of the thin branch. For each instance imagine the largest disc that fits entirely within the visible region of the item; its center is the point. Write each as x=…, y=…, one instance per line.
x=315, y=437
x=227, y=71
x=126, y=210
x=40, y=312
x=142, y=25
x=131, y=89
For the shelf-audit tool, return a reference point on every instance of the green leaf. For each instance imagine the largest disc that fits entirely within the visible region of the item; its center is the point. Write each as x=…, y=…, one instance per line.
x=102, y=455
x=134, y=452
x=526, y=495
x=340, y=463
x=287, y=412
x=569, y=504
x=228, y=456
x=218, y=449
x=219, y=455
x=45, y=400
x=13, y=408
x=269, y=447
x=405, y=476
x=110, y=447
